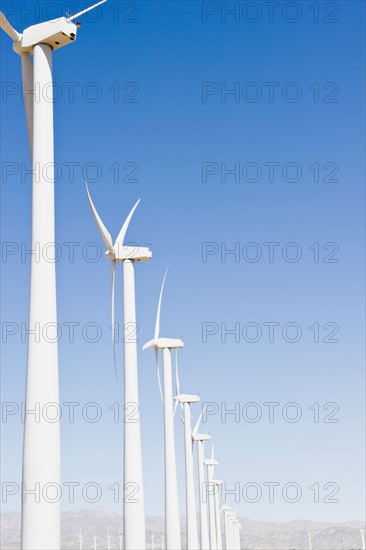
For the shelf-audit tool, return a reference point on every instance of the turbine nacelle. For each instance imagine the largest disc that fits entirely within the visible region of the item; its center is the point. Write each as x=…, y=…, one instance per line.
x=164, y=343
x=56, y=34
x=187, y=398
x=211, y=462
x=201, y=437
x=132, y=253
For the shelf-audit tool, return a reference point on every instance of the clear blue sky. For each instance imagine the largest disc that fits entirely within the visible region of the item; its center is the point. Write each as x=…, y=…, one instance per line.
x=161, y=61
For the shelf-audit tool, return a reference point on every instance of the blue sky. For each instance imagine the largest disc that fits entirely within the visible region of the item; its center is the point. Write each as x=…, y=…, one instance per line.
x=149, y=64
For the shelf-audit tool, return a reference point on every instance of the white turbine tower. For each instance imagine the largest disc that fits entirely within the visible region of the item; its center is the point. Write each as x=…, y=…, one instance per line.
x=80, y=540
x=211, y=463
x=362, y=532
x=95, y=543
x=108, y=541
x=310, y=543
x=192, y=535
x=226, y=509
x=134, y=509
x=201, y=438
x=217, y=483
x=41, y=451
x=172, y=518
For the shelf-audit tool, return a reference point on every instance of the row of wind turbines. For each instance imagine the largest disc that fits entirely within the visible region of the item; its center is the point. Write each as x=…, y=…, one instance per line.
x=40, y=526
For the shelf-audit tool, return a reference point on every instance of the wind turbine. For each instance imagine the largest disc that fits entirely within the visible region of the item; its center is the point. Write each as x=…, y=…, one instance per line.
x=192, y=536
x=201, y=438
x=95, y=543
x=217, y=483
x=134, y=509
x=41, y=446
x=226, y=509
x=80, y=540
x=172, y=518
x=211, y=463
x=108, y=541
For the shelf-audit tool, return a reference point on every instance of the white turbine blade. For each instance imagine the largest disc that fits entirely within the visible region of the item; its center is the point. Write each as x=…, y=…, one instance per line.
x=157, y=323
x=177, y=384
x=10, y=31
x=113, y=331
x=156, y=350
x=106, y=236
x=27, y=81
x=121, y=236
x=195, y=430
x=213, y=452
x=86, y=10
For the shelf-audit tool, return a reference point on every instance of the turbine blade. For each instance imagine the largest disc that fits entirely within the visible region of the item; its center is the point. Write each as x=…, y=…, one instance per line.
x=106, y=236
x=212, y=452
x=157, y=323
x=195, y=430
x=10, y=31
x=113, y=331
x=177, y=384
x=86, y=10
x=158, y=372
x=121, y=236
x=27, y=81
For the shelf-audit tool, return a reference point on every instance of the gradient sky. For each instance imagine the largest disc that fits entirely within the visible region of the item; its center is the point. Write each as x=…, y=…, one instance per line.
x=159, y=54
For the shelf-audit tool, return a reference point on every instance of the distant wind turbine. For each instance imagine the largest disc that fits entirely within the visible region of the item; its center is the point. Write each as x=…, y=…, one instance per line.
x=80, y=540
x=217, y=483
x=226, y=509
x=192, y=535
x=201, y=438
x=134, y=509
x=41, y=448
x=211, y=463
x=172, y=518
x=108, y=541
x=95, y=543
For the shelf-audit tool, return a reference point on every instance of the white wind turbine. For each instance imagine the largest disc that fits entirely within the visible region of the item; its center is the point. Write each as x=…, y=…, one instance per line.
x=134, y=512
x=108, y=541
x=226, y=509
x=201, y=438
x=211, y=463
x=41, y=451
x=186, y=400
x=217, y=483
x=172, y=518
x=80, y=540
x=95, y=543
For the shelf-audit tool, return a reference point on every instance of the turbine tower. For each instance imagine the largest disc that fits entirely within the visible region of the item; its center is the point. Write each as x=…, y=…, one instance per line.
x=362, y=532
x=80, y=540
x=95, y=543
x=211, y=463
x=217, y=483
x=40, y=527
x=201, y=438
x=310, y=543
x=192, y=536
x=134, y=509
x=226, y=509
x=172, y=518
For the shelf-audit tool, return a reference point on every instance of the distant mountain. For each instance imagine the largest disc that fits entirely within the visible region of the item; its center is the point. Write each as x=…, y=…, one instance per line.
x=255, y=535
